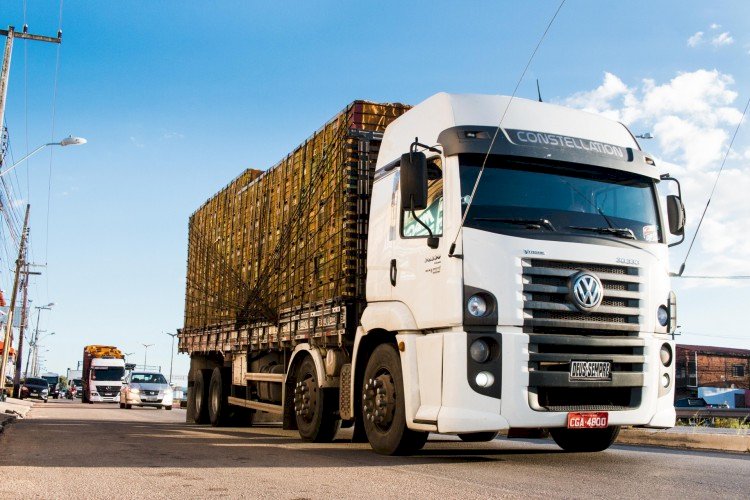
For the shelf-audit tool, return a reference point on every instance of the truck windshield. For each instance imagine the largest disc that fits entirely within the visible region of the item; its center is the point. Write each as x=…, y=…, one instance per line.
x=517, y=196
x=107, y=373
x=51, y=380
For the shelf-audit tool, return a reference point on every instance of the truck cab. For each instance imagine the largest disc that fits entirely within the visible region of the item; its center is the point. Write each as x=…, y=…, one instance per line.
x=536, y=296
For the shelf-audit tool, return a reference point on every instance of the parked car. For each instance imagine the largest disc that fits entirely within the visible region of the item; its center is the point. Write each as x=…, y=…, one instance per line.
x=75, y=389
x=144, y=388
x=35, y=388
x=697, y=403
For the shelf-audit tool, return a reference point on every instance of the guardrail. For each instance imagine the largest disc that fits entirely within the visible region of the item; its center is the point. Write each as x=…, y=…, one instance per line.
x=713, y=413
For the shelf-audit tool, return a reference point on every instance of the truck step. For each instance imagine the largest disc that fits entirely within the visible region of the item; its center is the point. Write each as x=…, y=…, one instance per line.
x=257, y=405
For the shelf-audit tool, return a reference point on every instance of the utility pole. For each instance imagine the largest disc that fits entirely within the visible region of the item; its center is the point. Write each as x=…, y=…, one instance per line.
x=171, y=356
x=10, y=34
x=20, y=262
x=24, y=321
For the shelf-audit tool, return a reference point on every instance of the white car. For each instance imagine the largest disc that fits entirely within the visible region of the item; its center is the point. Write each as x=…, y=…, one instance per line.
x=143, y=388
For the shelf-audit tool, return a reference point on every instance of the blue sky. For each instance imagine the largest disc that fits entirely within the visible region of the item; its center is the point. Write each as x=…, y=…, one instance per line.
x=177, y=98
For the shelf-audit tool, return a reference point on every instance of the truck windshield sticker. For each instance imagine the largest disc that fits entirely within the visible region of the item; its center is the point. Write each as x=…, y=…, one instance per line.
x=531, y=138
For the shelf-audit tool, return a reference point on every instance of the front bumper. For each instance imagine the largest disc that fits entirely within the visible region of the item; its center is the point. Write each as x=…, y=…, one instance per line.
x=138, y=400
x=462, y=409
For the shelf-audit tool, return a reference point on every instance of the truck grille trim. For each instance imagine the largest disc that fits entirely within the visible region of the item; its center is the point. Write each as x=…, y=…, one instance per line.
x=547, y=303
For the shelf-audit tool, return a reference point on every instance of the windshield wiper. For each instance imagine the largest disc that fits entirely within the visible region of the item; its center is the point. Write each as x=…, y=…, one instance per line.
x=529, y=223
x=622, y=232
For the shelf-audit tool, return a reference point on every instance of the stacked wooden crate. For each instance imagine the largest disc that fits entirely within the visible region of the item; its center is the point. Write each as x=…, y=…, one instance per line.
x=290, y=238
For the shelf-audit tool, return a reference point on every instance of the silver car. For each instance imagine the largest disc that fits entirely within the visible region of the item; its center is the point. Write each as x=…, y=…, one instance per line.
x=144, y=388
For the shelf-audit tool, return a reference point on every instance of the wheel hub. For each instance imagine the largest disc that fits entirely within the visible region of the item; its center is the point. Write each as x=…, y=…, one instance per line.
x=379, y=400
x=305, y=398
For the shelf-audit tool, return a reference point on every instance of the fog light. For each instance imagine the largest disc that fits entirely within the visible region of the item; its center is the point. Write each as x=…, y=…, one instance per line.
x=662, y=315
x=477, y=306
x=665, y=380
x=666, y=354
x=484, y=379
x=479, y=351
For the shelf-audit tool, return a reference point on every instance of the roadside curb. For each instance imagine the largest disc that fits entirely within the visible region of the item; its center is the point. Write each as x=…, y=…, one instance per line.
x=739, y=443
x=12, y=409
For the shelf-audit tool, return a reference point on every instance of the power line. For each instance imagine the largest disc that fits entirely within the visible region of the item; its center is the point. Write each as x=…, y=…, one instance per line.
x=746, y=337
x=700, y=277
x=716, y=181
x=497, y=130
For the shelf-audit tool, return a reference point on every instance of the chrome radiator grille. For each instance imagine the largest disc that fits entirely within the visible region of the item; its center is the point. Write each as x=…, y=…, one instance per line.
x=548, y=306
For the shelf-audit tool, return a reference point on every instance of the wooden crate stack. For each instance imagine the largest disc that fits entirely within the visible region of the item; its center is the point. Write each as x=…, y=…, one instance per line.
x=290, y=238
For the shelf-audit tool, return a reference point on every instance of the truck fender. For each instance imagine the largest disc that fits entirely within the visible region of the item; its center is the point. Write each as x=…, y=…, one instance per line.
x=317, y=357
x=392, y=316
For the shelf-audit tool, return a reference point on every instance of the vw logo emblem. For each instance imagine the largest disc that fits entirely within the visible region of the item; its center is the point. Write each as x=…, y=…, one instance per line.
x=586, y=291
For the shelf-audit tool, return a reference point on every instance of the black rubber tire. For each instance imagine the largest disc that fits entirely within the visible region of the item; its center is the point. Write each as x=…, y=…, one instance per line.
x=585, y=440
x=478, y=437
x=122, y=406
x=200, y=388
x=325, y=422
x=128, y=407
x=45, y=400
x=168, y=407
x=218, y=393
x=397, y=439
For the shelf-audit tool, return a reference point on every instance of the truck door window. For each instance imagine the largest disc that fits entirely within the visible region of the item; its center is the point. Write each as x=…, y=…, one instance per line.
x=432, y=216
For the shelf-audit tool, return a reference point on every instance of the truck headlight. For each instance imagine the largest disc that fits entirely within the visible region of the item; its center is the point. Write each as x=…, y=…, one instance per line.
x=662, y=315
x=484, y=379
x=45, y=391
x=665, y=354
x=479, y=351
x=477, y=306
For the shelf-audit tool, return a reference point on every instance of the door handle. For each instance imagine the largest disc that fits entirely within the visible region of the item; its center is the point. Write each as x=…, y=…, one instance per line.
x=393, y=272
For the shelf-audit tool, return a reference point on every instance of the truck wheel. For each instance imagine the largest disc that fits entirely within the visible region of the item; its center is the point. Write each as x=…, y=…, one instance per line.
x=200, y=387
x=316, y=409
x=383, y=405
x=122, y=406
x=478, y=437
x=218, y=391
x=168, y=407
x=583, y=440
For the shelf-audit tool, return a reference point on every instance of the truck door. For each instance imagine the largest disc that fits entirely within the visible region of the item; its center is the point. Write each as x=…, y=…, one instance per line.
x=420, y=280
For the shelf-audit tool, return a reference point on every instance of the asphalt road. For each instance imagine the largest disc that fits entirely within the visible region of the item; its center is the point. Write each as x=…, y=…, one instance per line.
x=71, y=450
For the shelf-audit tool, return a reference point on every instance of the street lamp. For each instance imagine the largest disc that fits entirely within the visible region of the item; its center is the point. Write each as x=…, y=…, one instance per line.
x=35, y=347
x=68, y=141
x=171, y=355
x=145, y=353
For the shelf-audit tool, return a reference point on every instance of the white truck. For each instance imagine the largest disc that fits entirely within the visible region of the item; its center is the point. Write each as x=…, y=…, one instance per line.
x=504, y=278
x=103, y=372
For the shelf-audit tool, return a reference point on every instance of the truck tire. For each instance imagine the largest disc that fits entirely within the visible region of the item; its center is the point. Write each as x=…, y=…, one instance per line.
x=168, y=407
x=585, y=440
x=218, y=393
x=383, y=408
x=200, y=388
x=478, y=437
x=316, y=409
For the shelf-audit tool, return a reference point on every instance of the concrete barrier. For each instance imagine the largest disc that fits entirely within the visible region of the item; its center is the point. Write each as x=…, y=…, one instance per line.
x=688, y=439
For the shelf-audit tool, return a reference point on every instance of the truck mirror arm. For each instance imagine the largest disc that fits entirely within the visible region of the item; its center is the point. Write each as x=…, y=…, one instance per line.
x=432, y=241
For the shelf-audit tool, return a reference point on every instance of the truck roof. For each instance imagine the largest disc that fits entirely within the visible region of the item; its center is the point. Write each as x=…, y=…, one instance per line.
x=443, y=111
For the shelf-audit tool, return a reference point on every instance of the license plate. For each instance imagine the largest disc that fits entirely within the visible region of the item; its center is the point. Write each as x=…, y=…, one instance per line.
x=590, y=370
x=588, y=420
x=148, y=398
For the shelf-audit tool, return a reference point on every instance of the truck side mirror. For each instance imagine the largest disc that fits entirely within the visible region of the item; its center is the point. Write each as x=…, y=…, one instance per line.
x=413, y=181
x=676, y=215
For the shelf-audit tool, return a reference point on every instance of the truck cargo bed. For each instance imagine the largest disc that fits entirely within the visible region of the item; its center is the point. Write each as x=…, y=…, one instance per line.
x=278, y=256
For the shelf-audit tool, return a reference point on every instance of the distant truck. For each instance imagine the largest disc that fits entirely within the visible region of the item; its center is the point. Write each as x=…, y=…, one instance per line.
x=103, y=371
x=53, y=379
x=476, y=279
x=73, y=374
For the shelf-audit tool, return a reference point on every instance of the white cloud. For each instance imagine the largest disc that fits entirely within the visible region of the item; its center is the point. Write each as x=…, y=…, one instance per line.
x=722, y=39
x=136, y=142
x=172, y=135
x=696, y=39
x=692, y=117
x=715, y=26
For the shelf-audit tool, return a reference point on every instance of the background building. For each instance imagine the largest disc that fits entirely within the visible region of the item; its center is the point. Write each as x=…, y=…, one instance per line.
x=708, y=366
